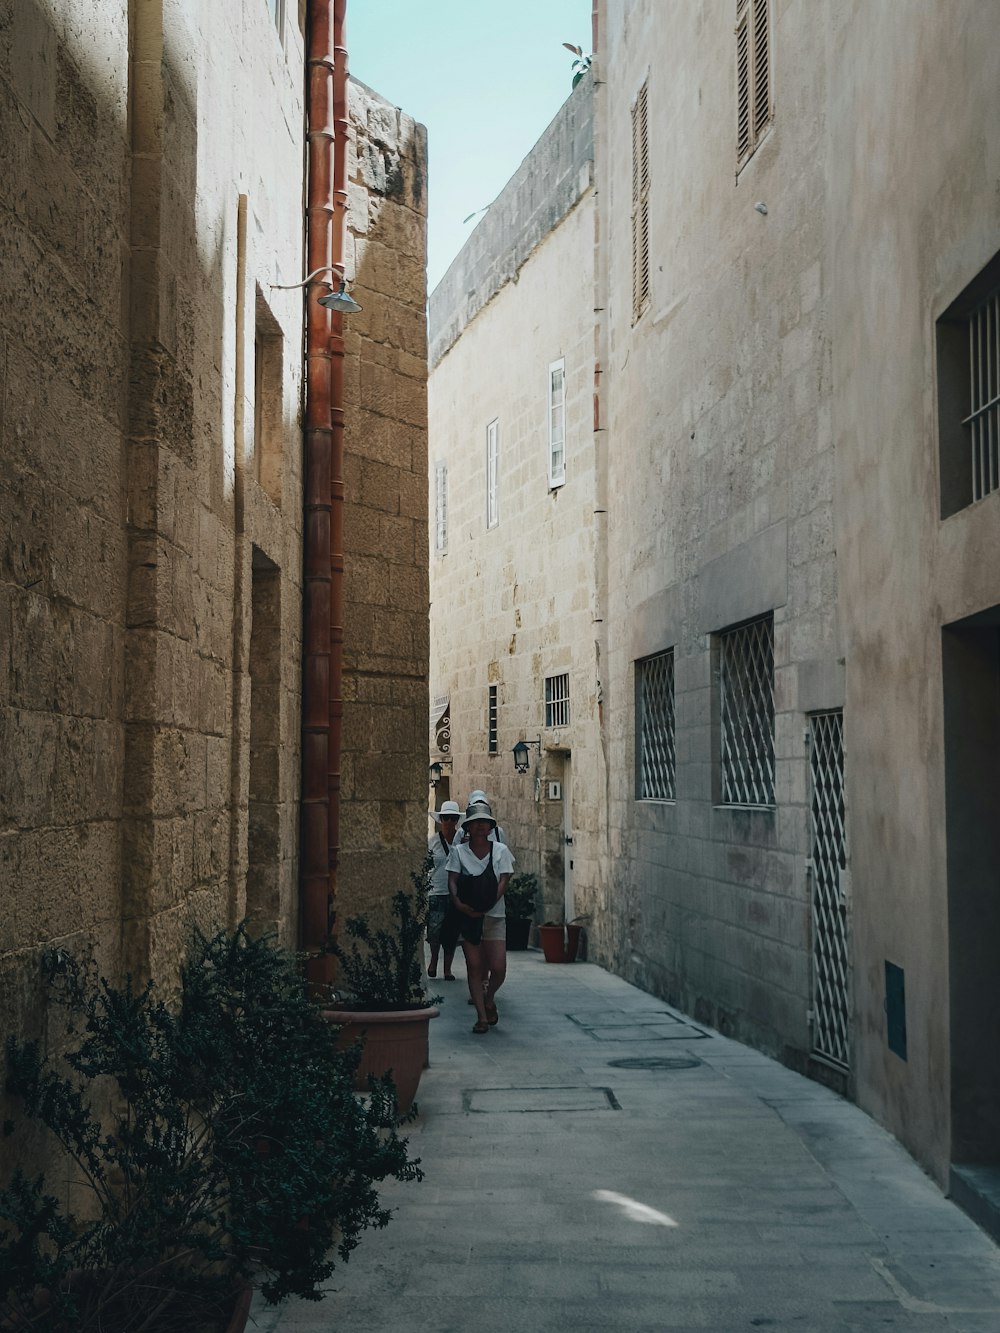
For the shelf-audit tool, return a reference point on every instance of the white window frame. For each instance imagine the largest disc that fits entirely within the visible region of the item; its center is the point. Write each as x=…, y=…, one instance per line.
x=557, y=700
x=557, y=411
x=441, y=508
x=492, y=469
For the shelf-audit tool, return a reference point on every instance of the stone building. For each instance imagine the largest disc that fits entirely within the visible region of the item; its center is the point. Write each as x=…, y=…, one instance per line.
x=790, y=686
x=151, y=483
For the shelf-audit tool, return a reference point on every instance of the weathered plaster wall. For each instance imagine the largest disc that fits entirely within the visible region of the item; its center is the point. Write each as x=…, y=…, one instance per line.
x=913, y=218
x=720, y=505
x=516, y=603
x=385, y=468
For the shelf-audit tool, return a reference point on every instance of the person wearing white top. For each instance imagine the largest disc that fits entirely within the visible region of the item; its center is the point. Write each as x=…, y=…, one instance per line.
x=478, y=873
x=439, y=847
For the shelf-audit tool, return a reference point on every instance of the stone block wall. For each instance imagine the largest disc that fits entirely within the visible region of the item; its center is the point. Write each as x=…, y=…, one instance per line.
x=384, y=761
x=140, y=233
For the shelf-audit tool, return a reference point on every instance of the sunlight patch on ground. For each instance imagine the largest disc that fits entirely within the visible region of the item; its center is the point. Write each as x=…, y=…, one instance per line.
x=634, y=1210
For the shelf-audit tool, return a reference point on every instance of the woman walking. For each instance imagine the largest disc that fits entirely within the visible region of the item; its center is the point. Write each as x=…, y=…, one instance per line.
x=478, y=872
x=439, y=847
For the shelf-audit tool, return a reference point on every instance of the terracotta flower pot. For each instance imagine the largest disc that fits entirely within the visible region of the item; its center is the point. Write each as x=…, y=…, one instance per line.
x=559, y=943
x=395, y=1042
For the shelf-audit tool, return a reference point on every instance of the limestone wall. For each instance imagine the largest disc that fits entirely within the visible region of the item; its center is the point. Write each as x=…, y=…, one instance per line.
x=513, y=604
x=386, y=630
x=150, y=494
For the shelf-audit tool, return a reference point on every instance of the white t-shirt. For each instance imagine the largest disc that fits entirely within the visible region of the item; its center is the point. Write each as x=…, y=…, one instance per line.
x=463, y=859
x=439, y=872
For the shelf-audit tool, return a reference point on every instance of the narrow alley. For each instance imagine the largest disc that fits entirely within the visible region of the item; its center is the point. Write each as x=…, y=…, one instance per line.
x=600, y=1161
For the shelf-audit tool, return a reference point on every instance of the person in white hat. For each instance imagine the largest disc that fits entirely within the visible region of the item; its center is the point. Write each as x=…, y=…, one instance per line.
x=478, y=797
x=478, y=872
x=439, y=847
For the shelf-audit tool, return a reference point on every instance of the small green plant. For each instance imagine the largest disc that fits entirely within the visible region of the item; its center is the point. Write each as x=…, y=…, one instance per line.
x=381, y=968
x=520, y=897
x=213, y=1139
x=582, y=62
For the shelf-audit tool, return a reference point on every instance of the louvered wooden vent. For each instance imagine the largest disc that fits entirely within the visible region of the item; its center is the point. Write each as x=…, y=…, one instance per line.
x=640, y=204
x=753, y=76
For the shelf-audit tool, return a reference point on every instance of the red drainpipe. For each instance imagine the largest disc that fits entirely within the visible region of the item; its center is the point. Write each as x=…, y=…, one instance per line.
x=323, y=557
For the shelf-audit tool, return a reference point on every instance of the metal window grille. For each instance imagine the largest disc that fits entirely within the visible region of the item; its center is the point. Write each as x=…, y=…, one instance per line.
x=640, y=203
x=753, y=76
x=441, y=508
x=557, y=423
x=983, y=421
x=657, y=753
x=492, y=452
x=831, y=975
x=557, y=701
x=747, y=712
x=491, y=709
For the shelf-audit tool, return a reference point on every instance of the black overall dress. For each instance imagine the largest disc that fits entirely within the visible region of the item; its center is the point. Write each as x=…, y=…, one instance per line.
x=478, y=892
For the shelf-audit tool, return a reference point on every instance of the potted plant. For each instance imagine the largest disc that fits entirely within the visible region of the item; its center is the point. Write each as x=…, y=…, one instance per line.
x=561, y=939
x=381, y=1001
x=209, y=1140
x=519, y=899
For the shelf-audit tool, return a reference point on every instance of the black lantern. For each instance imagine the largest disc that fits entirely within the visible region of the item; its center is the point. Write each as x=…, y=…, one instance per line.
x=435, y=771
x=521, y=757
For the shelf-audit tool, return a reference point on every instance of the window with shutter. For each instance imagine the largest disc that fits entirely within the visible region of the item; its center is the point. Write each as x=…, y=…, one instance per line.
x=492, y=452
x=640, y=203
x=441, y=508
x=753, y=76
x=557, y=423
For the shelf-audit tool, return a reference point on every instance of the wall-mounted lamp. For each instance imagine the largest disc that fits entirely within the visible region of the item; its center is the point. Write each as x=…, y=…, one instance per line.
x=340, y=300
x=520, y=753
x=435, y=771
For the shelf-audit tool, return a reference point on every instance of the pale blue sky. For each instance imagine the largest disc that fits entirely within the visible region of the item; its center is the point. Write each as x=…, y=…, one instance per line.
x=484, y=76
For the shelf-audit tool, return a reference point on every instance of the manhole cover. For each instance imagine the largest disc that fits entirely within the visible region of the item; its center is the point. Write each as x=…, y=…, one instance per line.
x=655, y=1062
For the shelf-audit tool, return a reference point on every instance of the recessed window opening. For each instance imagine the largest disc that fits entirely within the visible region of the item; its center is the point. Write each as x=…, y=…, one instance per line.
x=557, y=700
x=268, y=400
x=655, y=705
x=754, y=111
x=276, y=8
x=968, y=390
x=491, y=710
x=557, y=423
x=264, y=848
x=640, y=203
x=441, y=508
x=746, y=698
x=492, y=466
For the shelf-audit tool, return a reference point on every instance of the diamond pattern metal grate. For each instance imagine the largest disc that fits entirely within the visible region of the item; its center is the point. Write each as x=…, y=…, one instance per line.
x=831, y=1007
x=747, y=699
x=658, y=759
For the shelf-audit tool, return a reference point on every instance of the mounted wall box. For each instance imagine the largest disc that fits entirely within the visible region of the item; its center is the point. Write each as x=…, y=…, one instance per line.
x=555, y=791
x=895, y=1009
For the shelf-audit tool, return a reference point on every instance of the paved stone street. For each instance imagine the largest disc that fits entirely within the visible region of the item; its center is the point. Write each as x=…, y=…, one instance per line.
x=569, y=1189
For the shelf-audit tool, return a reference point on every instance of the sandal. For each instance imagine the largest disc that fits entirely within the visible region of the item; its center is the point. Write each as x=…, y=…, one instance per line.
x=432, y=972
x=479, y=1027
x=492, y=1017
x=449, y=976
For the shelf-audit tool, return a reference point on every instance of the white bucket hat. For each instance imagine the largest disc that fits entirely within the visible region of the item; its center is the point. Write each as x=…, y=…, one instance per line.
x=479, y=810
x=447, y=808
x=478, y=797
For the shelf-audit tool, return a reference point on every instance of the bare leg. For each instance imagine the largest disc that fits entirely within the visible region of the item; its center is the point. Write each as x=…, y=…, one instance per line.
x=432, y=967
x=475, y=963
x=496, y=964
x=449, y=960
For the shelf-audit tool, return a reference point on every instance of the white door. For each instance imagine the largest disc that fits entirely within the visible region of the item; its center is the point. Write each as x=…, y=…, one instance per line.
x=569, y=905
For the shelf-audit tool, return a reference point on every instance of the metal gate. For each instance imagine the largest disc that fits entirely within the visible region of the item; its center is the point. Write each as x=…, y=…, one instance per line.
x=831, y=966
